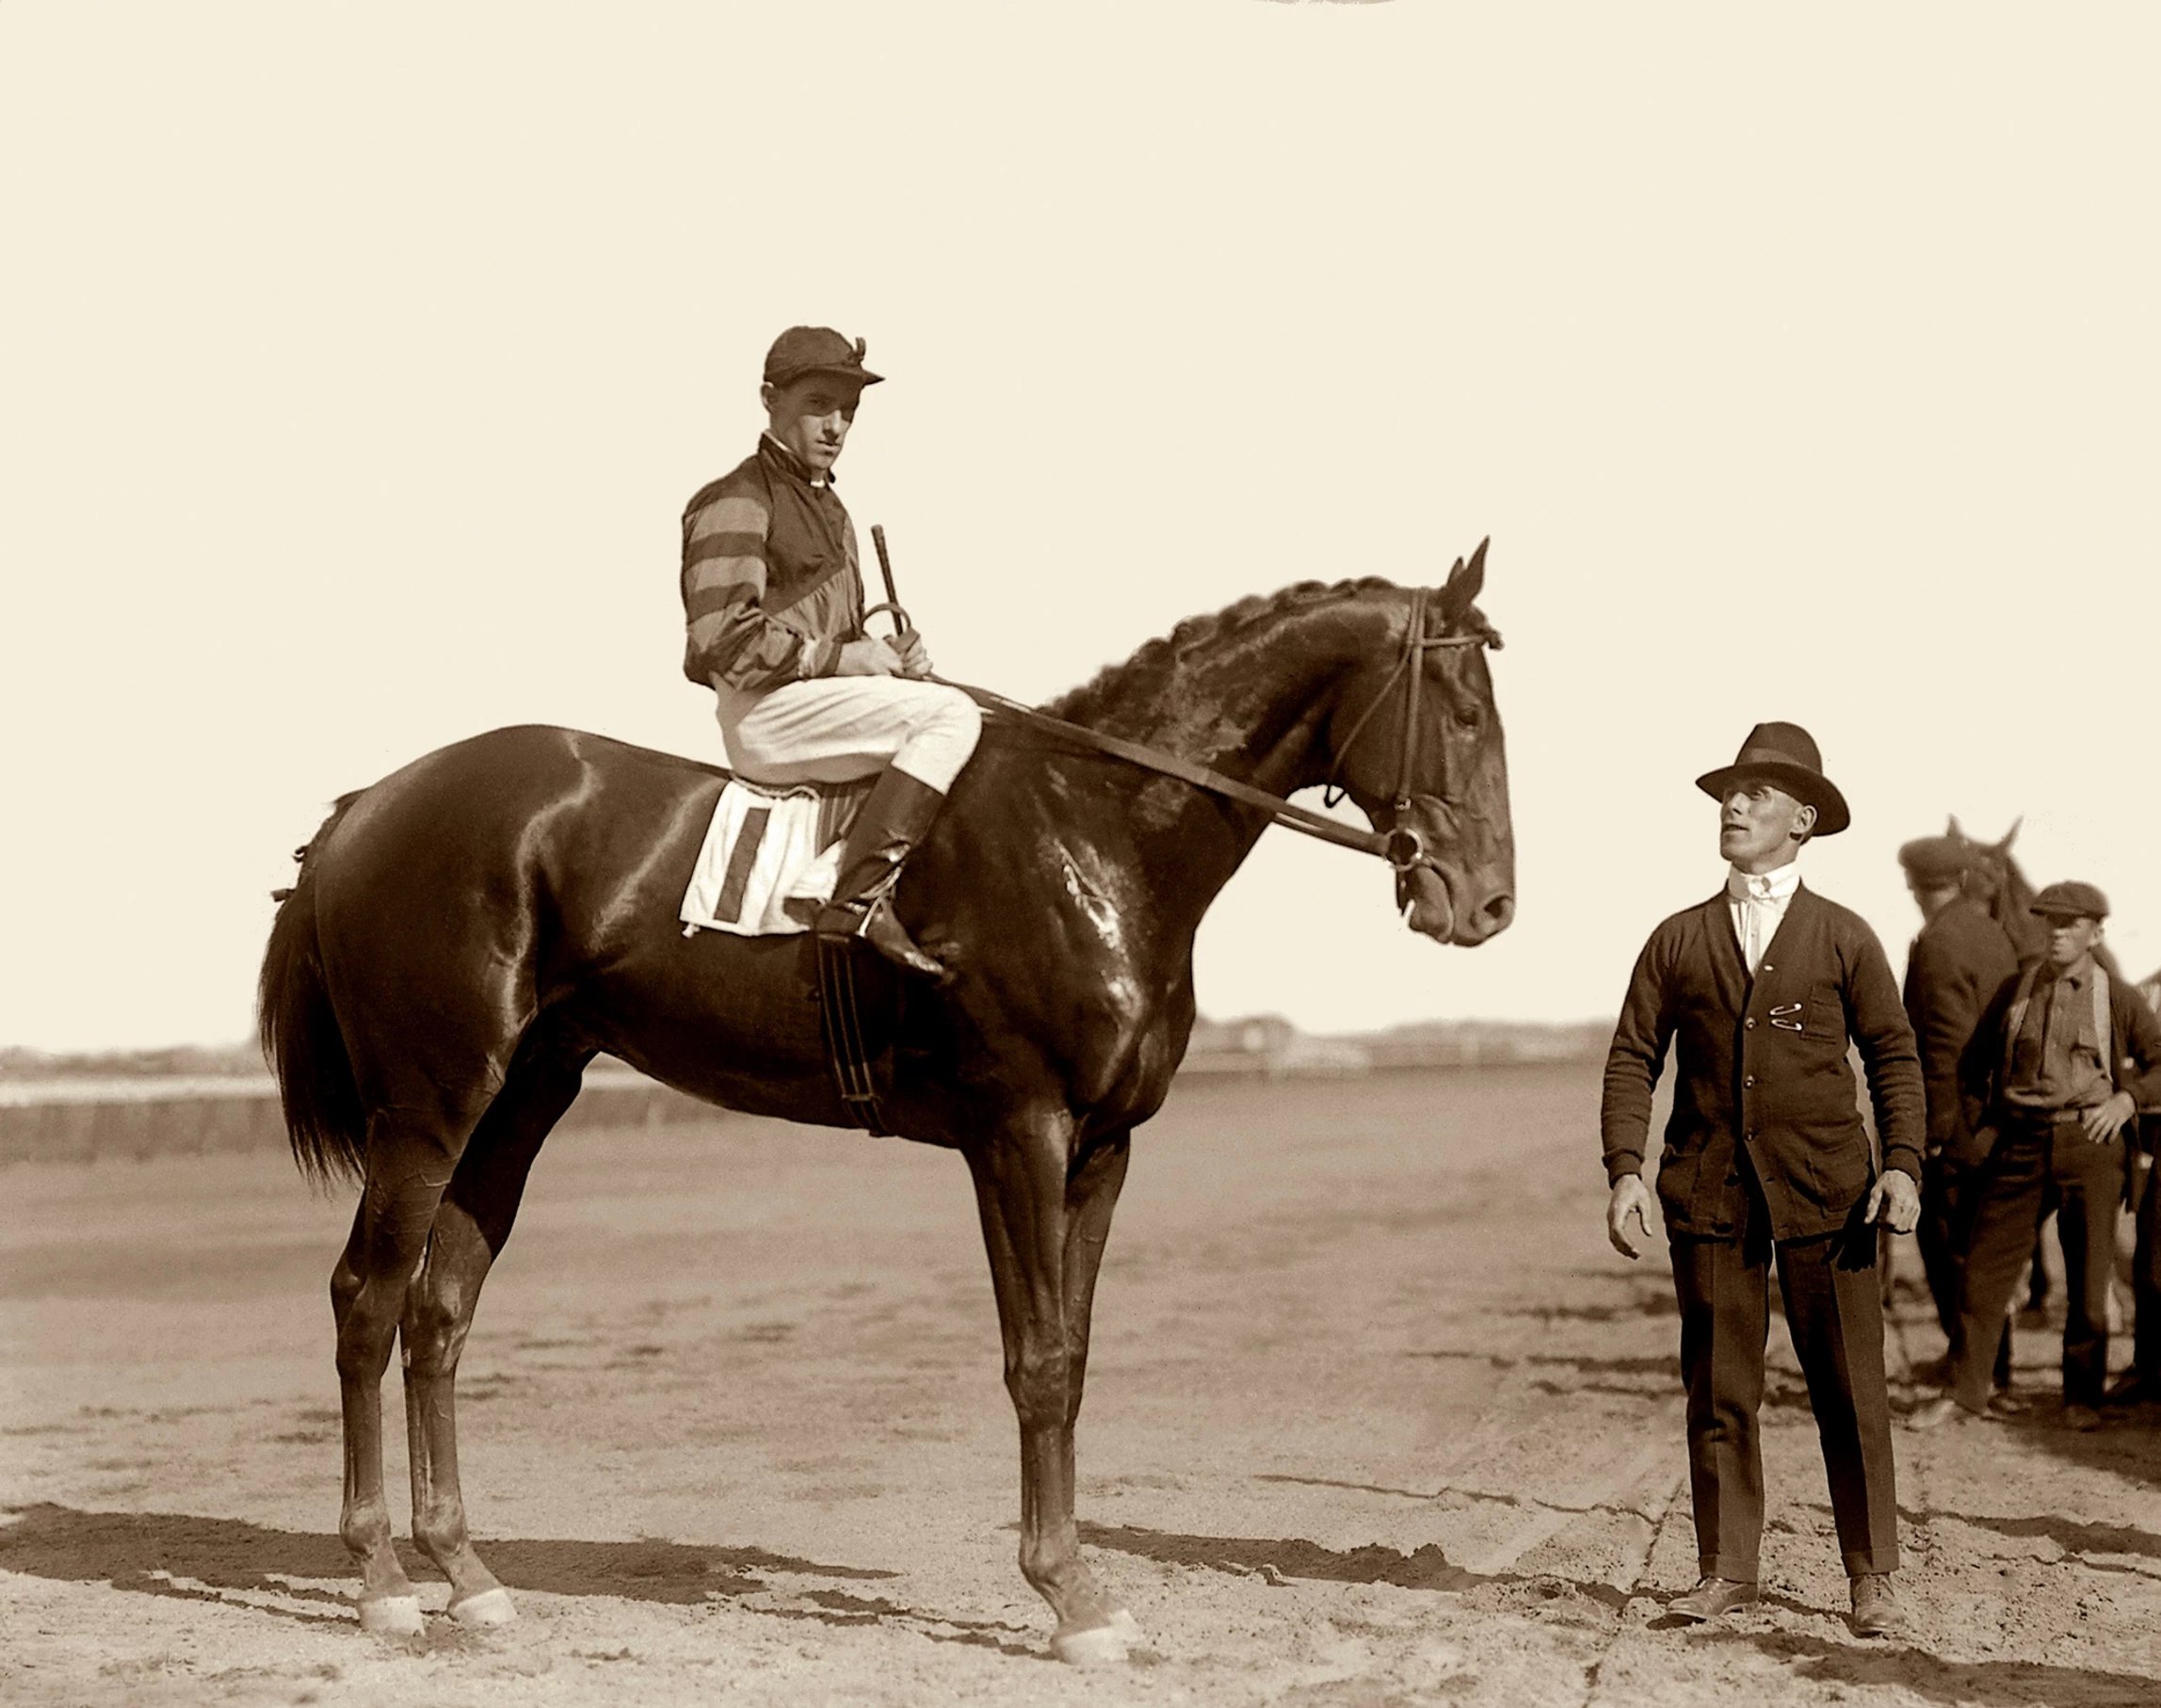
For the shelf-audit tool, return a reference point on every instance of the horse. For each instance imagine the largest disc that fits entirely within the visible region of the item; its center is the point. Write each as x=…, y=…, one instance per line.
x=465, y=935
x=1996, y=880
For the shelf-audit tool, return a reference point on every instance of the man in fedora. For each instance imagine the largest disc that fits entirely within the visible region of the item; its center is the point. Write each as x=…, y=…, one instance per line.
x=1760, y=989
x=2059, y=1064
x=1956, y=965
x=773, y=604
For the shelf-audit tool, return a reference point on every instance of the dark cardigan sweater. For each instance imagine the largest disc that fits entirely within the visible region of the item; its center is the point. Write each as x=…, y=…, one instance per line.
x=1762, y=1069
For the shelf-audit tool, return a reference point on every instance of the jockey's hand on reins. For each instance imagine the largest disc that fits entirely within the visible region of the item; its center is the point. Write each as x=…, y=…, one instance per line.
x=870, y=657
x=914, y=656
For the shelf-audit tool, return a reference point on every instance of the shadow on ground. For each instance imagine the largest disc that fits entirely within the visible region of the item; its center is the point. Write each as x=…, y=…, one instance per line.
x=2070, y=1535
x=191, y=1558
x=1967, y=1683
x=2128, y=1445
x=143, y=1551
x=1426, y=1568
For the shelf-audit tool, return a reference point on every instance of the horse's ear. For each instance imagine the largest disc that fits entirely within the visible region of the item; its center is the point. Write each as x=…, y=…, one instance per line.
x=1464, y=582
x=1952, y=830
x=2004, y=847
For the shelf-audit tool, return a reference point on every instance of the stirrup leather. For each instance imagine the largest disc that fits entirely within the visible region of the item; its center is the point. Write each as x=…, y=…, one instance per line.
x=871, y=918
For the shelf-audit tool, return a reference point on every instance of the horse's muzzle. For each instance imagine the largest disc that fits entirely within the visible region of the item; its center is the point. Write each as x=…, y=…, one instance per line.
x=1450, y=908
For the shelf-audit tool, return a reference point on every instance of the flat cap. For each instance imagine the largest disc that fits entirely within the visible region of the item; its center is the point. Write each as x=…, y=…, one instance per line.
x=816, y=349
x=1935, y=860
x=2071, y=900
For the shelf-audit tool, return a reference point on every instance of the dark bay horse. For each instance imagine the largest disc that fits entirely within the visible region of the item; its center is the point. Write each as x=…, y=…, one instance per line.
x=1997, y=878
x=467, y=934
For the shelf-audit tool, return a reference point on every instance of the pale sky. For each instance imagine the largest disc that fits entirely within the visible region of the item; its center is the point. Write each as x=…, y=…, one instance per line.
x=356, y=362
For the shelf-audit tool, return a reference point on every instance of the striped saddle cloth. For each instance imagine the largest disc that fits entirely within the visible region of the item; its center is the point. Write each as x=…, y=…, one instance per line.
x=770, y=857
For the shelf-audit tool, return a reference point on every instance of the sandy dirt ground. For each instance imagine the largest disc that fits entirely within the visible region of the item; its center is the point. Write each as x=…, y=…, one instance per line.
x=1375, y=1416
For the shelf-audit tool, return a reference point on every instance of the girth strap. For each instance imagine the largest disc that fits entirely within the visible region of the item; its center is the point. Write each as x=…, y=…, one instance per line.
x=845, y=1046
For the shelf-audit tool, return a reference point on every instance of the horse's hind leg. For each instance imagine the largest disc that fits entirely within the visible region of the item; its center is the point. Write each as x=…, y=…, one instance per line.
x=407, y=1168
x=471, y=1227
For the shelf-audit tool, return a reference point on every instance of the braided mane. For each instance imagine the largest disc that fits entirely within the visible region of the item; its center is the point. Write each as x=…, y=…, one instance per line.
x=1149, y=670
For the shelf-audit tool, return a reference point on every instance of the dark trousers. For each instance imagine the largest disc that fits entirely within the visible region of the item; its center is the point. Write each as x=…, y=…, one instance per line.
x=1835, y=1315
x=2030, y=1154
x=2146, y=1275
x=1945, y=1231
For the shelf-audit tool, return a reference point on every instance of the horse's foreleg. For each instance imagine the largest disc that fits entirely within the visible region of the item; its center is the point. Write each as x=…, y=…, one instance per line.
x=1091, y=1195
x=405, y=1185
x=1021, y=1193
x=470, y=1229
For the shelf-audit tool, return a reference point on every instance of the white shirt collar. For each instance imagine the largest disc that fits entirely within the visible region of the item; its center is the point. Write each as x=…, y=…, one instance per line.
x=1776, y=886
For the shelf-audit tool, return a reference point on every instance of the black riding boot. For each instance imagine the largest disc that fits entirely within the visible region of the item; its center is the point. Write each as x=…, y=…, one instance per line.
x=895, y=816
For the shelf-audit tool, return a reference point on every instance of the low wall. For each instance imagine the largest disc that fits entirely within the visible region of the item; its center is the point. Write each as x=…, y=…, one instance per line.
x=146, y=1120
x=86, y=1121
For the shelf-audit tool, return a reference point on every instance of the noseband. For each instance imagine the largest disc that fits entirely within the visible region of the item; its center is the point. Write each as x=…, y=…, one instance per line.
x=1404, y=848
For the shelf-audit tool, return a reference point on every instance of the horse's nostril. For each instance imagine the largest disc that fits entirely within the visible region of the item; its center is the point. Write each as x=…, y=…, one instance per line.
x=1499, y=909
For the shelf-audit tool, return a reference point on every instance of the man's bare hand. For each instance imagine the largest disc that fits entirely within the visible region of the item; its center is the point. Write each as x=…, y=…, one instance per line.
x=2104, y=1121
x=1895, y=1201
x=869, y=656
x=1630, y=1198
x=914, y=656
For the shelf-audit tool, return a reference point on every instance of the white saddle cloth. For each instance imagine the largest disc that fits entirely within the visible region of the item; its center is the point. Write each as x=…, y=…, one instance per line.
x=767, y=864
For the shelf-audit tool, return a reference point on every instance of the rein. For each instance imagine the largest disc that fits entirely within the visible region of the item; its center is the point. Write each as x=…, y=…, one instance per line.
x=1401, y=847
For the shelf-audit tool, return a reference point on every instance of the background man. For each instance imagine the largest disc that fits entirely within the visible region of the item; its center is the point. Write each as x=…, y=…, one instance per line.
x=772, y=599
x=2059, y=1065
x=1766, y=1158
x=1956, y=965
x=2141, y=1383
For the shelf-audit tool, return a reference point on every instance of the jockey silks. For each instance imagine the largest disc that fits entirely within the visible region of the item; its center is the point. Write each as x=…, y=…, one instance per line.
x=771, y=588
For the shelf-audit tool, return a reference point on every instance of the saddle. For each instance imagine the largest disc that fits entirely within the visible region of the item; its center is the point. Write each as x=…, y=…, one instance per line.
x=769, y=857
x=769, y=862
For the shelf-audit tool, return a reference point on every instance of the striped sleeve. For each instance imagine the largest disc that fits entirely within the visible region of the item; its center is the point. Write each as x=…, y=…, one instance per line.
x=730, y=635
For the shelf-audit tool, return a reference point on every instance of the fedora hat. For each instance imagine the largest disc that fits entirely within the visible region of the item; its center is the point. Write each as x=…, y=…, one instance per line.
x=1783, y=753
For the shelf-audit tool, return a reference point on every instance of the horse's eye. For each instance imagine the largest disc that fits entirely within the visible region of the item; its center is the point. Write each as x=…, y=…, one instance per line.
x=1467, y=717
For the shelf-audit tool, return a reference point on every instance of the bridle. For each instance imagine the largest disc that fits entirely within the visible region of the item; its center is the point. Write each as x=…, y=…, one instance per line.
x=1411, y=668
x=1400, y=844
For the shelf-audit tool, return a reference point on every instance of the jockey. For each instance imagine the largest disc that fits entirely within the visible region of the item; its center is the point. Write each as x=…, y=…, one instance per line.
x=773, y=598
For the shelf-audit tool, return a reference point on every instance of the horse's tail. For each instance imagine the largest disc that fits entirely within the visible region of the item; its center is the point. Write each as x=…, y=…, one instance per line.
x=324, y=1118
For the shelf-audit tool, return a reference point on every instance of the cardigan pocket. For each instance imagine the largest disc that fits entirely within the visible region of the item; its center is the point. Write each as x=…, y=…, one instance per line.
x=1677, y=1171
x=1839, y=1166
x=1823, y=1014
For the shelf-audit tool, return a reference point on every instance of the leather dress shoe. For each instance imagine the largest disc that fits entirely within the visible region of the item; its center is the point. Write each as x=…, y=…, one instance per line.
x=2134, y=1388
x=1876, y=1608
x=2081, y=1418
x=1711, y=1596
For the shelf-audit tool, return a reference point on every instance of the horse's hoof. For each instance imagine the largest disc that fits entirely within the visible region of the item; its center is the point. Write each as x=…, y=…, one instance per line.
x=1096, y=1646
x=390, y=1614
x=490, y=1608
x=1125, y=1625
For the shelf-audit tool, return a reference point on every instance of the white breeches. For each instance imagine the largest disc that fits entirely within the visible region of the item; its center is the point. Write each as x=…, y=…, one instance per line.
x=837, y=729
